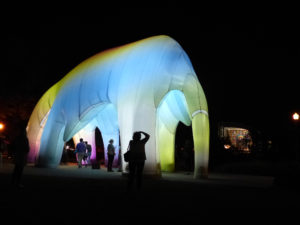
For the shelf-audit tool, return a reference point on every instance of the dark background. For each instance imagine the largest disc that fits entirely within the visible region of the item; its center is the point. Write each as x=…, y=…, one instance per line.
x=247, y=68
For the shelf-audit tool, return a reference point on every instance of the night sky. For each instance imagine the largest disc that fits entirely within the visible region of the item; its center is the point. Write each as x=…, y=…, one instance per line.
x=248, y=70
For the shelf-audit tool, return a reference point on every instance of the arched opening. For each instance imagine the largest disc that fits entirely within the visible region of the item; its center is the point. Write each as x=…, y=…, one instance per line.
x=172, y=110
x=98, y=126
x=68, y=157
x=184, y=148
x=99, y=147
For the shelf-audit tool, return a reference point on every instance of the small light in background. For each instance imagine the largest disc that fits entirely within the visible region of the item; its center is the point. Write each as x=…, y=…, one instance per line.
x=1, y=126
x=227, y=146
x=295, y=116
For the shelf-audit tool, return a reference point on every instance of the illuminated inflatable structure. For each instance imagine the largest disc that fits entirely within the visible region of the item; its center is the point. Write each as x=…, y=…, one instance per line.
x=149, y=85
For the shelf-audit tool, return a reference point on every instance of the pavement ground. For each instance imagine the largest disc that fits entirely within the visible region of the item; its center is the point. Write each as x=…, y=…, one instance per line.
x=68, y=195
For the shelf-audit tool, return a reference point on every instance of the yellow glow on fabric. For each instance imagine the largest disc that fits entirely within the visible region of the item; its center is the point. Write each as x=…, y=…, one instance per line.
x=173, y=108
x=148, y=85
x=200, y=127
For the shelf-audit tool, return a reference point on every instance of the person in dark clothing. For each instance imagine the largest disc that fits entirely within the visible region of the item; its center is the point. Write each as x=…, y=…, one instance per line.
x=111, y=155
x=21, y=150
x=2, y=149
x=88, y=153
x=80, y=151
x=137, y=159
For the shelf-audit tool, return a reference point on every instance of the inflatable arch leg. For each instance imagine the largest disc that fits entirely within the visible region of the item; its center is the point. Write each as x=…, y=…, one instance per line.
x=200, y=127
x=50, y=151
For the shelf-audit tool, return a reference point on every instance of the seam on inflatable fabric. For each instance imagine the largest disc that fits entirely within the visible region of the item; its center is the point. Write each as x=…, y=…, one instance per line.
x=199, y=111
x=42, y=123
x=90, y=108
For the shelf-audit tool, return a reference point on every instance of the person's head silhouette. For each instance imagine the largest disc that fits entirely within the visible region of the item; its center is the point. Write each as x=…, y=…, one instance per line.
x=136, y=136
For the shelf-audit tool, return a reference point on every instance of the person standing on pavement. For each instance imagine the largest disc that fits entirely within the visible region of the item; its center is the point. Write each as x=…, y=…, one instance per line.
x=137, y=159
x=88, y=153
x=21, y=150
x=80, y=151
x=2, y=150
x=110, y=154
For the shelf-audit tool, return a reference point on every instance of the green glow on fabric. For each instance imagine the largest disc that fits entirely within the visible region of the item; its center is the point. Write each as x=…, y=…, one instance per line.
x=148, y=85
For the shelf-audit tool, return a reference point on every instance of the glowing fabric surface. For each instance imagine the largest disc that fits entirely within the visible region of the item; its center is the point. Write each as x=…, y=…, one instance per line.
x=148, y=85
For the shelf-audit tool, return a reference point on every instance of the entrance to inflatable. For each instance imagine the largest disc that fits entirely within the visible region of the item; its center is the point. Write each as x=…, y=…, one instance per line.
x=173, y=110
x=97, y=127
x=184, y=149
x=174, y=133
x=99, y=145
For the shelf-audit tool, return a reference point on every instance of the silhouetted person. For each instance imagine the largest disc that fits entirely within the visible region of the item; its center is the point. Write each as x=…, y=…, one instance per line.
x=21, y=149
x=80, y=151
x=2, y=150
x=110, y=154
x=137, y=159
x=88, y=153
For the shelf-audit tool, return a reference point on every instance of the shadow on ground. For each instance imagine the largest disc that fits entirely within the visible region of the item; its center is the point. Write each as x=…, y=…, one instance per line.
x=67, y=195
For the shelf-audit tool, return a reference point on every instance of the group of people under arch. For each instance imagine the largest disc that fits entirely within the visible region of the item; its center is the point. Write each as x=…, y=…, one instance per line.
x=83, y=152
x=136, y=162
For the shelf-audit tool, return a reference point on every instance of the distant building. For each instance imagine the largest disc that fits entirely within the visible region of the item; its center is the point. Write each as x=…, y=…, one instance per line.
x=240, y=138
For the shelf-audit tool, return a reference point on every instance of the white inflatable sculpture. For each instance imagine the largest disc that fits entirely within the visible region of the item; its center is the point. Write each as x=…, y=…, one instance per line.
x=149, y=85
